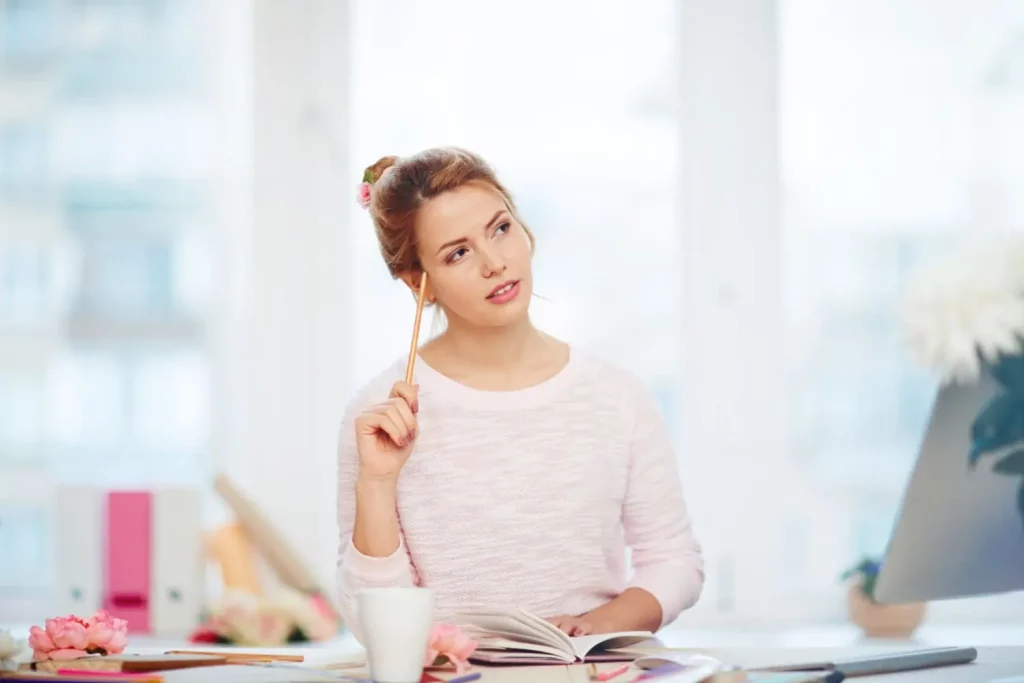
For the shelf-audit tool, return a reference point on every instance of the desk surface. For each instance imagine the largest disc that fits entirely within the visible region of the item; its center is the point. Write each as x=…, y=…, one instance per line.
x=993, y=664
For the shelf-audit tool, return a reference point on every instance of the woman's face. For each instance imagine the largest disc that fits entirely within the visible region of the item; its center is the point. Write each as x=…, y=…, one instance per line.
x=477, y=256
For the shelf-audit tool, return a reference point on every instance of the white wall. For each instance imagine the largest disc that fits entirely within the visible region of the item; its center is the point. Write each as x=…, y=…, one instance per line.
x=735, y=441
x=283, y=342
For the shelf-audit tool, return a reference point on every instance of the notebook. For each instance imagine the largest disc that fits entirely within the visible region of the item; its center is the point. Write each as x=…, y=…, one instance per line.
x=518, y=637
x=127, y=663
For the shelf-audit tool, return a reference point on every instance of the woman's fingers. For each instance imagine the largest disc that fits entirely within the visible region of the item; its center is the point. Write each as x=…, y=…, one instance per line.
x=409, y=392
x=391, y=424
x=403, y=412
x=375, y=422
x=577, y=627
x=572, y=626
x=400, y=415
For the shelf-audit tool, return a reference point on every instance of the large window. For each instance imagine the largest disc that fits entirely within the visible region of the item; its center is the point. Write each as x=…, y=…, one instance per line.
x=105, y=232
x=900, y=138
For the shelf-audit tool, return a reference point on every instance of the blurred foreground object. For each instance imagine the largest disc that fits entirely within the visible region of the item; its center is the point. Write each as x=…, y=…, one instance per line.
x=241, y=618
x=968, y=312
x=246, y=614
x=137, y=554
x=964, y=320
x=874, y=619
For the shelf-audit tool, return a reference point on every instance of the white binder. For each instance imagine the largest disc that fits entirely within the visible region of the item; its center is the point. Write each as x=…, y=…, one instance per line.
x=78, y=523
x=177, y=570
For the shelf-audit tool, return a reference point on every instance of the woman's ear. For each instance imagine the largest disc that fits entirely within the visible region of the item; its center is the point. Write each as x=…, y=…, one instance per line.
x=412, y=281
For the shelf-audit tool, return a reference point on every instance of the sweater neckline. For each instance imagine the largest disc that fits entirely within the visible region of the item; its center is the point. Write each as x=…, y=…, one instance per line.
x=442, y=385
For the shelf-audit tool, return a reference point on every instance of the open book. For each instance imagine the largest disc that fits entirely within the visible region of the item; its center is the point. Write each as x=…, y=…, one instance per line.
x=518, y=637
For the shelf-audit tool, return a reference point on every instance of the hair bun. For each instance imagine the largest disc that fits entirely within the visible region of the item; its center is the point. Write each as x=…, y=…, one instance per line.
x=373, y=173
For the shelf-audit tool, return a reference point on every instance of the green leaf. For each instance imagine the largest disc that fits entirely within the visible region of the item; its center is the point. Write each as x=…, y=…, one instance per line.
x=368, y=176
x=869, y=585
x=999, y=424
x=1009, y=371
x=1011, y=465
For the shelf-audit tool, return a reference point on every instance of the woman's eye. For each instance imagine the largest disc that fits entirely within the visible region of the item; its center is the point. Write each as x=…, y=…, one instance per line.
x=503, y=228
x=456, y=255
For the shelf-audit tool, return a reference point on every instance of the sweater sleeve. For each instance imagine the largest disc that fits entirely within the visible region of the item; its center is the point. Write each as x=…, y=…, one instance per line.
x=356, y=570
x=667, y=559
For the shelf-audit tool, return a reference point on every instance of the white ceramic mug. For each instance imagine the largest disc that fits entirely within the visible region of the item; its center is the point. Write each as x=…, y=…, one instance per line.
x=396, y=627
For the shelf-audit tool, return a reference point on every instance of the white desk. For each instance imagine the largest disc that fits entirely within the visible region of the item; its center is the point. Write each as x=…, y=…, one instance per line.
x=993, y=663
x=992, y=666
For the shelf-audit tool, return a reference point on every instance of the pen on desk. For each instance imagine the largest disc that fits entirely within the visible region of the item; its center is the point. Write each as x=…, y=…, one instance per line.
x=465, y=679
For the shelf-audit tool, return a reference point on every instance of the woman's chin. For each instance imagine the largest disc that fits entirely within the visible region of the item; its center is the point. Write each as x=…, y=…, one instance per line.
x=504, y=315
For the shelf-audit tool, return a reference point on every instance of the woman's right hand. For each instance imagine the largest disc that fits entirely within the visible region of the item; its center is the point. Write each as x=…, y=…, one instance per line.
x=386, y=433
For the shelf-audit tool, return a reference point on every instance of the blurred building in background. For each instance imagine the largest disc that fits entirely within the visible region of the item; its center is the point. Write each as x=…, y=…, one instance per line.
x=104, y=243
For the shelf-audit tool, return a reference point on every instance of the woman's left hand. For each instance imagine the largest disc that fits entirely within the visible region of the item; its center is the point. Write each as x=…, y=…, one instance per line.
x=573, y=626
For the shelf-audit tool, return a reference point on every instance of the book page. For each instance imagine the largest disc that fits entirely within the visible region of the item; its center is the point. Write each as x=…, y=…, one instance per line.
x=503, y=648
x=516, y=625
x=584, y=645
x=553, y=632
x=518, y=657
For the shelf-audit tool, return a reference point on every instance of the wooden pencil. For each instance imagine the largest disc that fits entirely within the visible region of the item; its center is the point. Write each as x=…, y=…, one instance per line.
x=414, y=346
x=242, y=657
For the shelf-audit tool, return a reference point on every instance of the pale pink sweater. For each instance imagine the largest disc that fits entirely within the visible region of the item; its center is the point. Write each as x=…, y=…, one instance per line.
x=529, y=498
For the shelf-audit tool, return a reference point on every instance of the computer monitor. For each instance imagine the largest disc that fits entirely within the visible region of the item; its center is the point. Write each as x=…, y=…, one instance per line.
x=960, y=529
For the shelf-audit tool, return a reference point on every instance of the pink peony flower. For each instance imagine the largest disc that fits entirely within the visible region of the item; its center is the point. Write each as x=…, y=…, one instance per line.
x=106, y=635
x=72, y=637
x=40, y=642
x=63, y=638
x=451, y=643
x=364, y=195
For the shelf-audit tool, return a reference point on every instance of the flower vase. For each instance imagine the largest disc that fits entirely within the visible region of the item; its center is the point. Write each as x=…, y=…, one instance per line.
x=883, y=621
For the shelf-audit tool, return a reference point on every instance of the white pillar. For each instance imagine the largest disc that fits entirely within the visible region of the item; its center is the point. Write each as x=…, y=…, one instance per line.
x=282, y=339
x=733, y=380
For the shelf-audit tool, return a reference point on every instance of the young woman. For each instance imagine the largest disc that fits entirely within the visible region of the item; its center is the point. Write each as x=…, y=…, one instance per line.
x=516, y=470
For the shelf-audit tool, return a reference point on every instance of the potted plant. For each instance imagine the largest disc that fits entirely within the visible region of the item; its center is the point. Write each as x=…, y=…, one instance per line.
x=874, y=619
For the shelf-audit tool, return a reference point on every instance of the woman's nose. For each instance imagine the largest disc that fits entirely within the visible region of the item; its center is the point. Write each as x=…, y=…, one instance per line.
x=493, y=264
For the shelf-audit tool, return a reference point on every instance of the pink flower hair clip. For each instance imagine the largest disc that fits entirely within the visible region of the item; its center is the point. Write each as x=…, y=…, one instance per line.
x=365, y=190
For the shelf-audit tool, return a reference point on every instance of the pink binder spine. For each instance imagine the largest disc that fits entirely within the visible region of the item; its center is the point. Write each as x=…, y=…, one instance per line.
x=126, y=570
